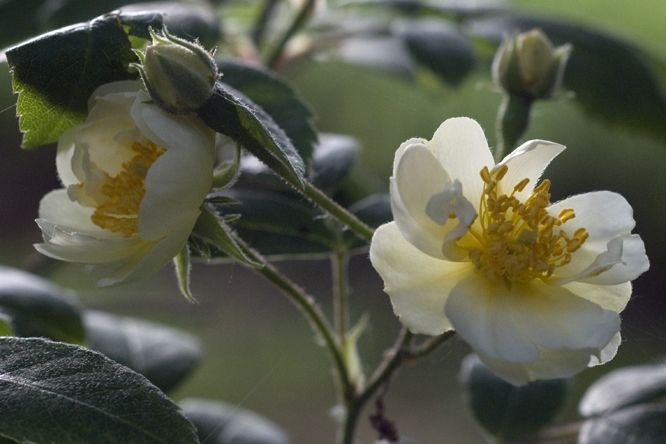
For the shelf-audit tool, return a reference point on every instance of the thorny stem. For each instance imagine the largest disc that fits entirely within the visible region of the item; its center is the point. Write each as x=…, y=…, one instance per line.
x=400, y=352
x=299, y=20
x=339, y=262
x=307, y=306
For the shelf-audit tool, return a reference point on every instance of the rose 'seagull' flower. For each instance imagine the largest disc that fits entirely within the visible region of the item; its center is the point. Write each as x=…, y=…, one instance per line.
x=535, y=288
x=134, y=180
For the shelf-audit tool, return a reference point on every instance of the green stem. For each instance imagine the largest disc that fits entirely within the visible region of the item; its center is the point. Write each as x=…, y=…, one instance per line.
x=262, y=23
x=399, y=353
x=513, y=118
x=339, y=263
x=299, y=20
x=331, y=207
x=308, y=307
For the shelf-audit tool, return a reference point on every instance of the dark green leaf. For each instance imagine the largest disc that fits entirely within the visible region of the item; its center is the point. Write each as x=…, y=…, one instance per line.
x=612, y=80
x=506, y=411
x=440, y=47
x=640, y=424
x=231, y=113
x=277, y=98
x=162, y=354
x=218, y=234
x=188, y=21
x=221, y=423
x=60, y=393
x=623, y=387
x=280, y=224
x=56, y=73
x=182, y=264
x=38, y=307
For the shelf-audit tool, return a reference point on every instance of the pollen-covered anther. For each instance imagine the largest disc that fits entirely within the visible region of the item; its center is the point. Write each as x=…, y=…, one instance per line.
x=516, y=240
x=123, y=193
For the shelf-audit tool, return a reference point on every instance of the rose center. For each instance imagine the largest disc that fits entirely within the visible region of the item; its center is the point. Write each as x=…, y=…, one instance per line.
x=123, y=193
x=520, y=241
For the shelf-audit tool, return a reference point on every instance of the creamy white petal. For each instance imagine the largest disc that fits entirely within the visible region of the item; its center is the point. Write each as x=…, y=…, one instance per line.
x=150, y=260
x=608, y=352
x=401, y=150
x=77, y=247
x=554, y=317
x=418, y=284
x=552, y=364
x=527, y=161
x=603, y=214
x=176, y=185
x=64, y=158
x=418, y=177
x=632, y=264
x=58, y=208
x=482, y=312
x=608, y=297
x=461, y=147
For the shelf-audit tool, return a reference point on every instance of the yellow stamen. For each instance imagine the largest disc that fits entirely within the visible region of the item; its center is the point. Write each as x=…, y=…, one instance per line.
x=125, y=191
x=517, y=241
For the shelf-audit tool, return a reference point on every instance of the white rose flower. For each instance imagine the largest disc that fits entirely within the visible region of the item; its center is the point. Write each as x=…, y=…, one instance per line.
x=534, y=288
x=135, y=178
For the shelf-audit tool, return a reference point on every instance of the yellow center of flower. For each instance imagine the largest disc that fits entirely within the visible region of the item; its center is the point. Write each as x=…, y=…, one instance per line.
x=520, y=241
x=124, y=192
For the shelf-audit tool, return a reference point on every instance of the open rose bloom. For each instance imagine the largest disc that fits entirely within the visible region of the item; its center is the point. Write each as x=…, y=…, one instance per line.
x=134, y=180
x=535, y=288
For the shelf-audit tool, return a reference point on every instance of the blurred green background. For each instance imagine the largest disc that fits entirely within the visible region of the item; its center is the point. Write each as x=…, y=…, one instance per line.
x=260, y=353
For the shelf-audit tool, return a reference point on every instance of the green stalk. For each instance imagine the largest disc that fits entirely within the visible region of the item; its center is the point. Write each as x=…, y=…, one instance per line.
x=339, y=263
x=513, y=118
x=299, y=21
x=307, y=306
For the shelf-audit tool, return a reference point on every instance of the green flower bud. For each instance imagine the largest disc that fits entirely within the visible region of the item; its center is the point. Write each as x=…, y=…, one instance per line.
x=179, y=75
x=529, y=65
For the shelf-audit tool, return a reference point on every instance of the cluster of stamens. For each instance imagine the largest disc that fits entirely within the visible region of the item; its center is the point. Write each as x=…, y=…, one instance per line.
x=125, y=191
x=520, y=241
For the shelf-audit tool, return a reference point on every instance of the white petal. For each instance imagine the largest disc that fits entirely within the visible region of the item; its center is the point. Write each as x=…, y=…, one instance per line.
x=554, y=317
x=64, y=158
x=417, y=178
x=603, y=214
x=179, y=180
x=151, y=259
x=58, y=209
x=418, y=284
x=608, y=297
x=527, y=161
x=482, y=312
x=608, y=352
x=551, y=364
x=76, y=247
x=401, y=150
x=461, y=147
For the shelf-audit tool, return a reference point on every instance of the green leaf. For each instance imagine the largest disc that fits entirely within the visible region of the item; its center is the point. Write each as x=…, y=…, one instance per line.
x=182, y=263
x=56, y=73
x=612, y=80
x=640, y=424
x=221, y=423
x=280, y=224
x=216, y=232
x=38, y=307
x=506, y=411
x=162, y=354
x=623, y=387
x=440, y=47
x=277, y=98
x=60, y=393
x=188, y=21
x=231, y=113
